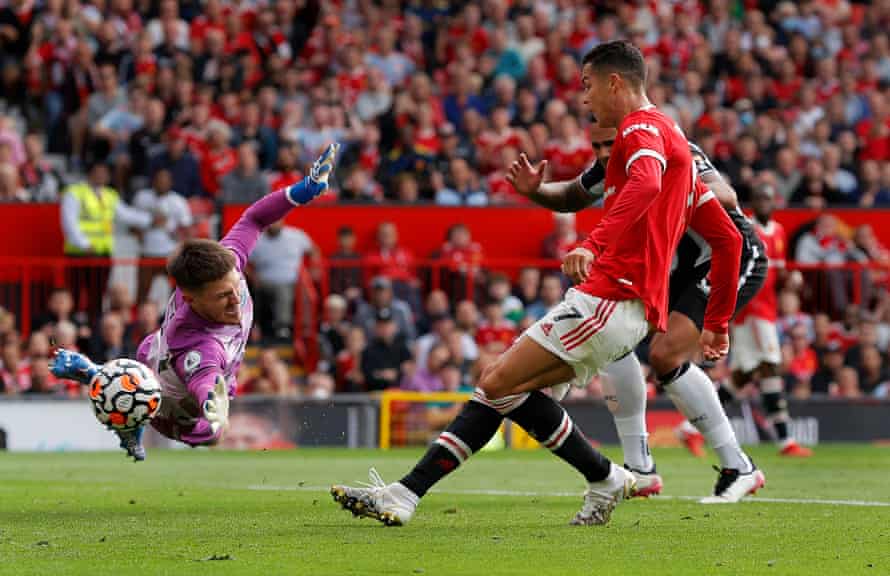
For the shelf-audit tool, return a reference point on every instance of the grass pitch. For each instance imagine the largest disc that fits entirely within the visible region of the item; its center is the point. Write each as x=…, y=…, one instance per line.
x=202, y=512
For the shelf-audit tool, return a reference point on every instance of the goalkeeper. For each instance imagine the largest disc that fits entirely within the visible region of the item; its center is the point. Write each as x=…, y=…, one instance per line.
x=198, y=348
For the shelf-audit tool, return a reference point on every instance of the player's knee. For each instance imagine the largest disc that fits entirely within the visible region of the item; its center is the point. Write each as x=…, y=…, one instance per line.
x=663, y=358
x=492, y=382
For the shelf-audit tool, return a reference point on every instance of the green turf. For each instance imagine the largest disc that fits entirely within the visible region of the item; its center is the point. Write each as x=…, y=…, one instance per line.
x=98, y=514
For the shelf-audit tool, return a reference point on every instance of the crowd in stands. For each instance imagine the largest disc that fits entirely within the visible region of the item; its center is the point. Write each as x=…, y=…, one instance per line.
x=431, y=100
x=190, y=104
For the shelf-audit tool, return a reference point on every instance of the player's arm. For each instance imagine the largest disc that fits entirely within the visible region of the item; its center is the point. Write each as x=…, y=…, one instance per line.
x=274, y=206
x=201, y=370
x=563, y=196
x=710, y=176
x=642, y=188
x=712, y=223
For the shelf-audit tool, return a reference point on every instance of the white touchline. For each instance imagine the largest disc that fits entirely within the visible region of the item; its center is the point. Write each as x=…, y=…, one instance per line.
x=826, y=502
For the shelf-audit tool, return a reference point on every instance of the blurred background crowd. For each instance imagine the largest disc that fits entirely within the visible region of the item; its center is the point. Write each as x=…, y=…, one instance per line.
x=182, y=106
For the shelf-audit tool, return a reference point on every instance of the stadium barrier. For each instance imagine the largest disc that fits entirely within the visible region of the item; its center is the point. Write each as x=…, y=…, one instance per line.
x=400, y=419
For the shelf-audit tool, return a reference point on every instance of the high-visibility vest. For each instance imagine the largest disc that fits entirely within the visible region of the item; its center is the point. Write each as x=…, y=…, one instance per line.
x=96, y=219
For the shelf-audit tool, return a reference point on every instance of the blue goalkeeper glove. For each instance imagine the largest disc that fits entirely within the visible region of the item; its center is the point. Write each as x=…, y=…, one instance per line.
x=317, y=181
x=70, y=365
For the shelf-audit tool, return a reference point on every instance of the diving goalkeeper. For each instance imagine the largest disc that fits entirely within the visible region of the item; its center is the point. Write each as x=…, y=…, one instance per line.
x=198, y=348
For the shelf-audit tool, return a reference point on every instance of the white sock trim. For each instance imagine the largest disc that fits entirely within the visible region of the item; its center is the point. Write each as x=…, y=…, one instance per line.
x=561, y=434
x=455, y=445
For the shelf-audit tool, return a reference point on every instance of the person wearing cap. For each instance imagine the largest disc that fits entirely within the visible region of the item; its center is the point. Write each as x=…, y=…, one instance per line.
x=386, y=353
x=88, y=213
x=176, y=157
x=382, y=298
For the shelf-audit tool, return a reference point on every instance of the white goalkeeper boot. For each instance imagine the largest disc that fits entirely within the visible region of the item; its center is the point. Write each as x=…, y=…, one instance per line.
x=602, y=497
x=391, y=504
x=131, y=441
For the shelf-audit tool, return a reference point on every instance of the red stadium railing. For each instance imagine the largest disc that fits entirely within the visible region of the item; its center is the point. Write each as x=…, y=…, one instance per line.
x=25, y=284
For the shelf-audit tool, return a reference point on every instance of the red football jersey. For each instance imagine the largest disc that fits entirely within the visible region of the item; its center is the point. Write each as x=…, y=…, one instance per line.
x=765, y=303
x=649, y=197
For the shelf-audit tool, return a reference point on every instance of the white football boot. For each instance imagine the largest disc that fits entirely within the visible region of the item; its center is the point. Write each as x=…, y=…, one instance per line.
x=648, y=483
x=732, y=485
x=602, y=497
x=392, y=504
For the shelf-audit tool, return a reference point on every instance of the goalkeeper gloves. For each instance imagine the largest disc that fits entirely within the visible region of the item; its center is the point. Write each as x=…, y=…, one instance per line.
x=70, y=365
x=214, y=418
x=317, y=181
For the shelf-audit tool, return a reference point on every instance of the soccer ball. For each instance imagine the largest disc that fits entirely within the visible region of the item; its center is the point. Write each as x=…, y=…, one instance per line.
x=125, y=394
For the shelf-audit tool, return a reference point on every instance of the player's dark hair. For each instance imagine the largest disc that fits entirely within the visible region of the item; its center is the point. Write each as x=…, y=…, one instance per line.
x=620, y=57
x=196, y=262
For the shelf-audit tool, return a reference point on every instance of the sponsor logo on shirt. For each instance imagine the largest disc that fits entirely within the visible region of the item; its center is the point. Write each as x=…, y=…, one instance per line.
x=609, y=191
x=640, y=126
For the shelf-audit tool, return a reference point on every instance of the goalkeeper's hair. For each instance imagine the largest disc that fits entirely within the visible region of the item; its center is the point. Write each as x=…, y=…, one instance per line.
x=196, y=262
x=620, y=57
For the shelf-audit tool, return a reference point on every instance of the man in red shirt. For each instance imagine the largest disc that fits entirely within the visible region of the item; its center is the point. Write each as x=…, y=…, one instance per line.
x=622, y=293
x=757, y=354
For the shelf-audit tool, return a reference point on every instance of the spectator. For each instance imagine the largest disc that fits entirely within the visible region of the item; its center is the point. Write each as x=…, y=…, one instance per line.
x=109, y=344
x=872, y=369
x=551, y=295
x=463, y=187
x=827, y=380
x=382, y=299
x=261, y=138
x=13, y=375
x=495, y=333
x=89, y=211
x=392, y=260
x=245, y=184
x=790, y=316
x=148, y=319
x=848, y=384
x=569, y=153
x=319, y=386
x=350, y=377
x=396, y=67
x=172, y=220
x=40, y=179
x=814, y=190
x=332, y=331
x=428, y=377
x=271, y=378
x=376, y=99
x=277, y=260
x=800, y=359
x=219, y=159
x=346, y=269
x=562, y=240
x=788, y=177
x=527, y=285
x=383, y=360
x=499, y=290
x=463, y=262
x=824, y=245
x=182, y=164
x=436, y=306
x=147, y=142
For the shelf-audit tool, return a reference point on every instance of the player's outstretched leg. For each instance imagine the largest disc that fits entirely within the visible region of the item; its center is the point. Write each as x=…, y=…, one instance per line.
x=75, y=366
x=625, y=394
x=394, y=504
x=607, y=484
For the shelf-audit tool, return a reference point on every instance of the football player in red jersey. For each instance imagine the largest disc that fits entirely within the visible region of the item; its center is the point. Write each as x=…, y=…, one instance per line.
x=757, y=355
x=622, y=294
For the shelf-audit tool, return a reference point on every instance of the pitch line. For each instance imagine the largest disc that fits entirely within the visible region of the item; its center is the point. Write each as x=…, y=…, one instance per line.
x=532, y=494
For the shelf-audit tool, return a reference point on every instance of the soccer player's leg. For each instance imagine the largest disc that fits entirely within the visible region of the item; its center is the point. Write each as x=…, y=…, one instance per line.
x=75, y=366
x=625, y=393
x=772, y=389
x=394, y=504
x=694, y=394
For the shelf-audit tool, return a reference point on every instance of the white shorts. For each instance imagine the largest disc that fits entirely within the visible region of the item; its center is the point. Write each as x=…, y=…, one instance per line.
x=588, y=332
x=754, y=342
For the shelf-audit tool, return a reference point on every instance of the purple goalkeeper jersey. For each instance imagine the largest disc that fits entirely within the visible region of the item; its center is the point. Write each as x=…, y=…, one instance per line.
x=188, y=352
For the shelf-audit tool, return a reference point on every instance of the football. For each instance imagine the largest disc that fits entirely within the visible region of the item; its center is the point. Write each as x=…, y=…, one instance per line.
x=125, y=394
